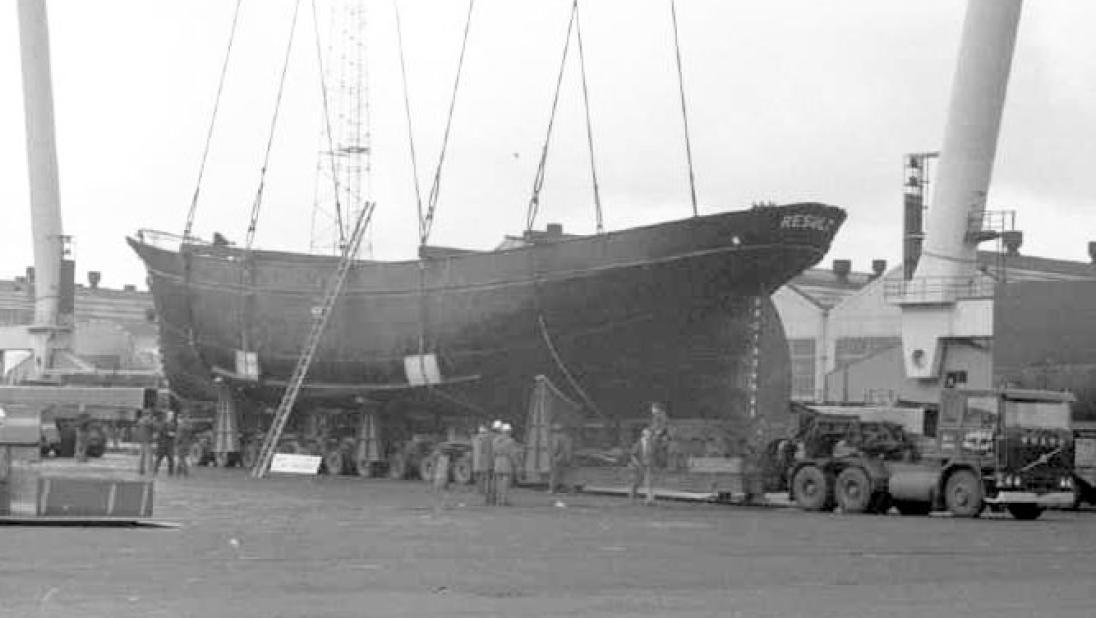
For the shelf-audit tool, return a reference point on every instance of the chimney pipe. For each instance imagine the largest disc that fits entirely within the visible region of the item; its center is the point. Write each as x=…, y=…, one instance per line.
x=94, y=277
x=878, y=267
x=1092, y=252
x=841, y=268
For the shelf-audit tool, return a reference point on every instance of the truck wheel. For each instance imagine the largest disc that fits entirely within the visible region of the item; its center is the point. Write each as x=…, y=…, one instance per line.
x=221, y=459
x=1025, y=511
x=812, y=492
x=853, y=490
x=462, y=471
x=426, y=469
x=963, y=494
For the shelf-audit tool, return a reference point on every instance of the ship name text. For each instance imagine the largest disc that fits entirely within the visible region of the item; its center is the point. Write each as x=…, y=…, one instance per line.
x=807, y=222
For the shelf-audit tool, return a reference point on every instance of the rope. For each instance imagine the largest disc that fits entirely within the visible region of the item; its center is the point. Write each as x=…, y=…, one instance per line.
x=255, y=206
x=407, y=110
x=684, y=115
x=432, y=199
x=538, y=181
x=327, y=127
x=189, y=227
x=563, y=369
x=589, y=129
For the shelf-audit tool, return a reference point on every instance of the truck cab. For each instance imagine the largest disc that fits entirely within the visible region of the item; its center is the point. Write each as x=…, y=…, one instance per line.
x=1018, y=441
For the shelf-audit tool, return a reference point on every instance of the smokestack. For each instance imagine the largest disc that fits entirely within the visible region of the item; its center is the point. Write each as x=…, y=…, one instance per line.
x=1092, y=252
x=842, y=268
x=878, y=267
x=94, y=277
x=1012, y=240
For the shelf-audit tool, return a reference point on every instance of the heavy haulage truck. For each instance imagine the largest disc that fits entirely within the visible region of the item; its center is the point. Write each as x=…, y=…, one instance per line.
x=1009, y=449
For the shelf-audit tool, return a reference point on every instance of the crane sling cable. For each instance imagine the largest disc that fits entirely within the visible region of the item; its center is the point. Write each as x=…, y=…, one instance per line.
x=589, y=128
x=538, y=181
x=426, y=223
x=407, y=113
x=245, y=262
x=189, y=227
x=327, y=127
x=312, y=343
x=257, y=203
x=684, y=114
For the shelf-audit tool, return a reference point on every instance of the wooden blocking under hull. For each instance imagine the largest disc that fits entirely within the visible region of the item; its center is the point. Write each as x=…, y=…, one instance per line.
x=91, y=497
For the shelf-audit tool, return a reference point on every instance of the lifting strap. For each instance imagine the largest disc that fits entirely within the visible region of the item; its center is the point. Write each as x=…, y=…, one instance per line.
x=538, y=181
x=684, y=115
x=189, y=227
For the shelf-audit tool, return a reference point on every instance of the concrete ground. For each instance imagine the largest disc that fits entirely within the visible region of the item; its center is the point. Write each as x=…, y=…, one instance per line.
x=352, y=547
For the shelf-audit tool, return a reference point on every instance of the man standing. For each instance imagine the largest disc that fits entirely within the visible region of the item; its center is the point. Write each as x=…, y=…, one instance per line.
x=482, y=462
x=641, y=461
x=184, y=438
x=143, y=434
x=83, y=428
x=505, y=451
x=165, y=444
x=561, y=450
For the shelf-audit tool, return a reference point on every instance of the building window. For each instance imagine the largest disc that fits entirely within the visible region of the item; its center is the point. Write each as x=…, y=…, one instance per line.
x=848, y=350
x=802, y=352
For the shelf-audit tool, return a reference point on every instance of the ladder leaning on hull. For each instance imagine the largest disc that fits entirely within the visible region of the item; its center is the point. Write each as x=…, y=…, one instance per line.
x=319, y=325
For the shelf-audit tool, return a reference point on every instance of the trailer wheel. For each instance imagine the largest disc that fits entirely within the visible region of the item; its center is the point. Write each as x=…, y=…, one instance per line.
x=1025, y=511
x=853, y=490
x=397, y=466
x=812, y=492
x=426, y=468
x=963, y=494
x=333, y=460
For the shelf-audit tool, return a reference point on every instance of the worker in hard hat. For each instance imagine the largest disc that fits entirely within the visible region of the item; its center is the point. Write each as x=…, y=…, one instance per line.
x=482, y=461
x=83, y=428
x=641, y=462
x=143, y=433
x=504, y=450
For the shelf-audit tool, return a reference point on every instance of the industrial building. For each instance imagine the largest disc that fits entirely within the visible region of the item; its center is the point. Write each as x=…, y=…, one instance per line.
x=844, y=330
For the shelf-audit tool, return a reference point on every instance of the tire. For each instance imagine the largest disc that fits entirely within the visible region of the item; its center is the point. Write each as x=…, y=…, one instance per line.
x=462, y=471
x=812, y=491
x=963, y=494
x=221, y=460
x=196, y=453
x=397, y=467
x=363, y=468
x=913, y=508
x=249, y=456
x=853, y=490
x=426, y=469
x=333, y=459
x=1025, y=512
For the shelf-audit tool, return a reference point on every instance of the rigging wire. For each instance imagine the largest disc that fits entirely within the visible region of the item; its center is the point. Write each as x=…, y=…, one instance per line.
x=538, y=181
x=407, y=110
x=189, y=227
x=255, y=206
x=589, y=129
x=327, y=127
x=432, y=200
x=684, y=114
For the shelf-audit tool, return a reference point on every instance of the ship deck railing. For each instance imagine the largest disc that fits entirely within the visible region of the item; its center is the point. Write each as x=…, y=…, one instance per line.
x=937, y=289
x=167, y=240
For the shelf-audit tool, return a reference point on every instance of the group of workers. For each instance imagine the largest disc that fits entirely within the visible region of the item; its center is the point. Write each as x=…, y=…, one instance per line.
x=495, y=459
x=163, y=435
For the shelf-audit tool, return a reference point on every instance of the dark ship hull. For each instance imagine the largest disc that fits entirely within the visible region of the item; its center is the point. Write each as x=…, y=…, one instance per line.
x=676, y=312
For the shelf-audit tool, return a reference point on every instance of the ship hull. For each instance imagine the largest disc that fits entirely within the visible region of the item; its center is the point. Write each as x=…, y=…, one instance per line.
x=676, y=312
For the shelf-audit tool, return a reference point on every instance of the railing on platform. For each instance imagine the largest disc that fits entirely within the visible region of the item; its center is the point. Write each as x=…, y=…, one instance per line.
x=937, y=289
x=167, y=240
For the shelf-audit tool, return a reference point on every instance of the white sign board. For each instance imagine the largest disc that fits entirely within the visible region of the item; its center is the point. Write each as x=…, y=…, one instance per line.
x=286, y=463
x=422, y=369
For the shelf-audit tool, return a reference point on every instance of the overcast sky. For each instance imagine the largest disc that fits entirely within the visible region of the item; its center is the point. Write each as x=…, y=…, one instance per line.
x=789, y=100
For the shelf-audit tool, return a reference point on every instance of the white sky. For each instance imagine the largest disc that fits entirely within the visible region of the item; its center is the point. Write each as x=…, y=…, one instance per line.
x=788, y=99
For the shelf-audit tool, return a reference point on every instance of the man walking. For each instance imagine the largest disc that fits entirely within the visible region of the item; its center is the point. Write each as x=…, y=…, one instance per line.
x=83, y=428
x=641, y=461
x=184, y=438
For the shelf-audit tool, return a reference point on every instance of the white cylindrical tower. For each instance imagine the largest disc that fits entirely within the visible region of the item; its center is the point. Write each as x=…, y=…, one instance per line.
x=45, y=201
x=970, y=140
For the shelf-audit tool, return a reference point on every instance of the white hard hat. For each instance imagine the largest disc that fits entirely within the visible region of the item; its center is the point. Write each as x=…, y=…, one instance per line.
x=506, y=428
x=497, y=425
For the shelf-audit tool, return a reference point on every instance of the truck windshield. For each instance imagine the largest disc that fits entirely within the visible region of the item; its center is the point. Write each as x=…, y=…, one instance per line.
x=1039, y=414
